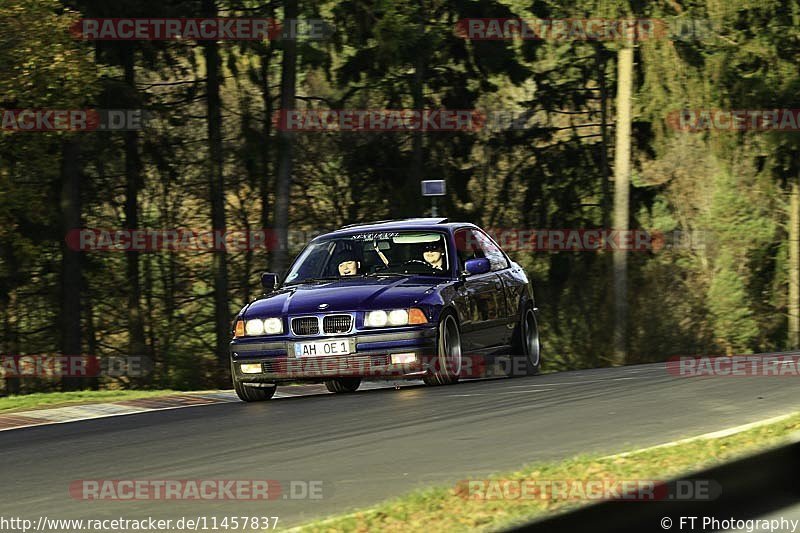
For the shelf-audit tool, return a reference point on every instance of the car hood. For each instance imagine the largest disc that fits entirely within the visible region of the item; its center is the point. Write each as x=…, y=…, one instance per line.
x=343, y=295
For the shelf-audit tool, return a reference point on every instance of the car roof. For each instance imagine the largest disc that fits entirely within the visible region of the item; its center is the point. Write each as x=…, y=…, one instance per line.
x=402, y=224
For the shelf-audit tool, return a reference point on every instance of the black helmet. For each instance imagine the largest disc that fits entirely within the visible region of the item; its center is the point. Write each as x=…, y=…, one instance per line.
x=437, y=245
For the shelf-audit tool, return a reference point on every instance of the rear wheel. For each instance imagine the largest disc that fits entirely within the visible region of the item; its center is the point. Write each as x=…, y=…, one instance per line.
x=252, y=393
x=343, y=385
x=531, y=346
x=447, y=367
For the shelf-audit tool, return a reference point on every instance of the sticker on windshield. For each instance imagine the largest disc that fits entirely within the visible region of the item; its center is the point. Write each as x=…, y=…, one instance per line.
x=373, y=236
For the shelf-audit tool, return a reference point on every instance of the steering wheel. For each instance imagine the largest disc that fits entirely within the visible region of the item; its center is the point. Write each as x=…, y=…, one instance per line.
x=420, y=262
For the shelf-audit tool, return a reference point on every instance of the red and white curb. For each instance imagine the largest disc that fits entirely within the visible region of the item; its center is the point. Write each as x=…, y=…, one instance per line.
x=61, y=415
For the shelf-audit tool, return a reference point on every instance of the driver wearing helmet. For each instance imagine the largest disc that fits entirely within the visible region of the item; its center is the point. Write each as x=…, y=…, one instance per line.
x=433, y=253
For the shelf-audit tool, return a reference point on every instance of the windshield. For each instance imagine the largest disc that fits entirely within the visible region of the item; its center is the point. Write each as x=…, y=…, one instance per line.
x=373, y=254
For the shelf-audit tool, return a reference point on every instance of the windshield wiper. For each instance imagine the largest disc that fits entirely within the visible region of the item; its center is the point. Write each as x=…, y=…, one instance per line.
x=314, y=280
x=344, y=278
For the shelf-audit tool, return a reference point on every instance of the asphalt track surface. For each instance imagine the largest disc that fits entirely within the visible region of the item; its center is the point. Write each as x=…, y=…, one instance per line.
x=371, y=445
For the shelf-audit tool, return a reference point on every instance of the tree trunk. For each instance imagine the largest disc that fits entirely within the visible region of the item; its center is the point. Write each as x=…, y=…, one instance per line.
x=92, y=382
x=605, y=203
x=266, y=97
x=9, y=342
x=160, y=345
x=622, y=169
x=280, y=257
x=71, y=275
x=133, y=180
x=266, y=181
x=219, y=269
x=794, y=265
x=411, y=205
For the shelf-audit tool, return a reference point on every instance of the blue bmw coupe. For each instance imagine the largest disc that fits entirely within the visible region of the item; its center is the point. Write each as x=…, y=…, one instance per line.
x=405, y=299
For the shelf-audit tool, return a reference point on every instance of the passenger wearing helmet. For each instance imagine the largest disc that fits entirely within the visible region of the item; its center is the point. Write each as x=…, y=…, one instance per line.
x=347, y=263
x=349, y=267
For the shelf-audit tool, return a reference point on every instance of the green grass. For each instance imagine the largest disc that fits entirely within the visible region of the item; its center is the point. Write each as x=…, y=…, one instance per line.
x=43, y=400
x=444, y=509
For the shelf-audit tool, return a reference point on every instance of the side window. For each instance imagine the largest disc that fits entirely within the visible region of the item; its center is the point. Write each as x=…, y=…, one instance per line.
x=467, y=246
x=491, y=251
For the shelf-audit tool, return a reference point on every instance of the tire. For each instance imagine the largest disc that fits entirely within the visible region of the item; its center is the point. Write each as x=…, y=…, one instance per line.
x=448, y=357
x=251, y=394
x=343, y=385
x=527, y=342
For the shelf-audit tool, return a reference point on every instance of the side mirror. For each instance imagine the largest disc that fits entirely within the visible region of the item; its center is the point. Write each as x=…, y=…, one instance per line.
x=477, y=266
x=269, y=281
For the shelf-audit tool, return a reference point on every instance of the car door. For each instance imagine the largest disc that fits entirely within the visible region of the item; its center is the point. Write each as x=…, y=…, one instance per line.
x=484, y=323
x=513, y=281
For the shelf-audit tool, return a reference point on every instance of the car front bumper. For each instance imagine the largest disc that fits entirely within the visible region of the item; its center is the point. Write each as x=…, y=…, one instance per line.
x=370, y=357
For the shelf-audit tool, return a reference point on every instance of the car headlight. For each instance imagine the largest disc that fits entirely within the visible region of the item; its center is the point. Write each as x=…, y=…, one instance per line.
x=254, y=327
x=268, y=326
x=394, y=317
x=273, y=326
x=375, y=319
x=398, y=317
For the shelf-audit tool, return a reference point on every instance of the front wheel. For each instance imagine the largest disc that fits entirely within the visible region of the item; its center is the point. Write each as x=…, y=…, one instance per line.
x=343, y=385
x=248, y=393
x=447, y=365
